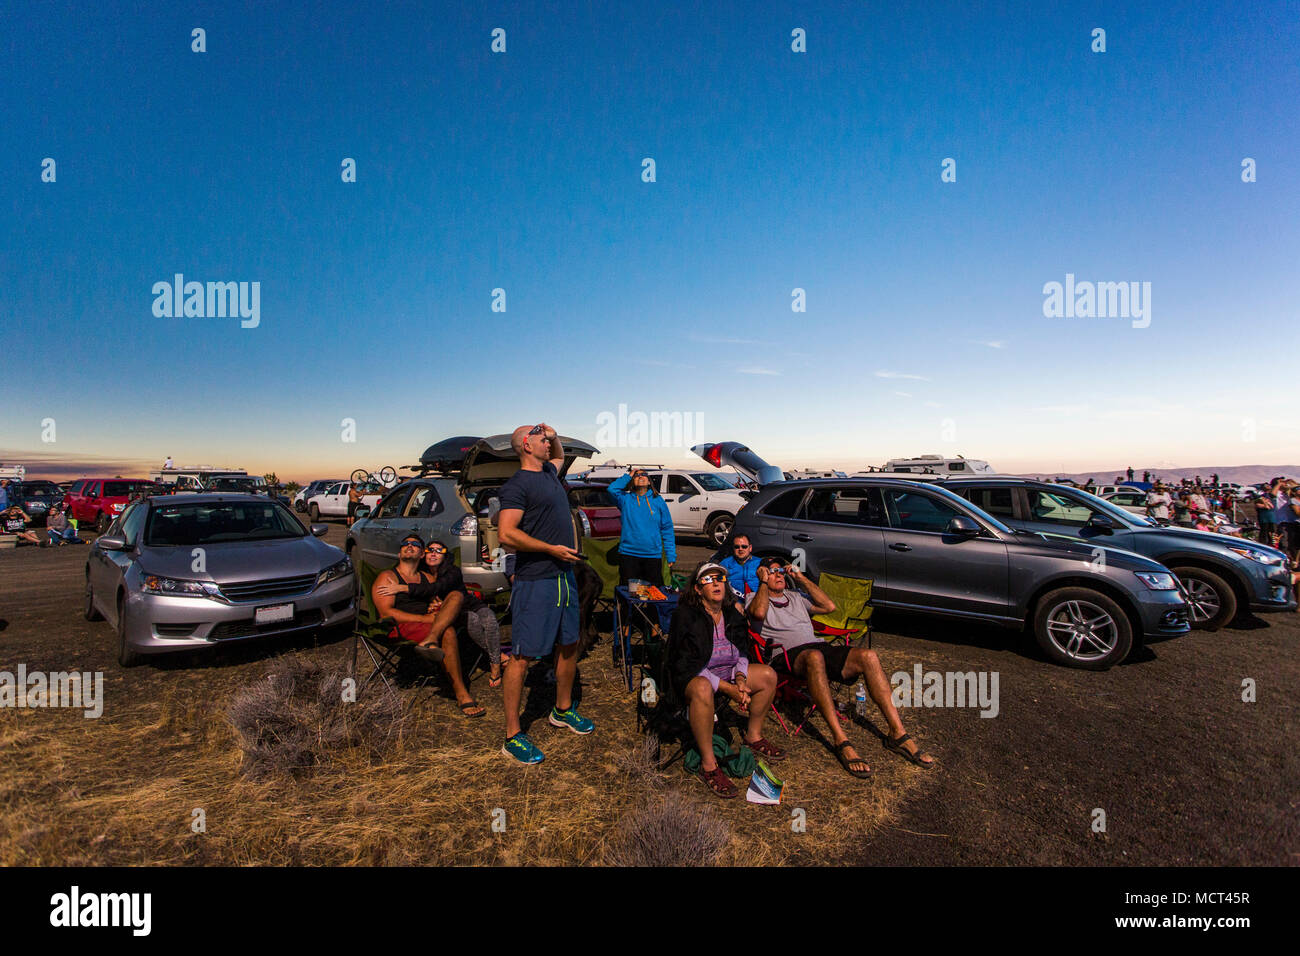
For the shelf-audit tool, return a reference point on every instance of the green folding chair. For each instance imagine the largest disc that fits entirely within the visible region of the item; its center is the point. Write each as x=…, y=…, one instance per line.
x=850, y=621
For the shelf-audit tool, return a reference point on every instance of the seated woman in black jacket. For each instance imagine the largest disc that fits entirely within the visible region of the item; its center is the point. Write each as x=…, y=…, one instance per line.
x=709, y=652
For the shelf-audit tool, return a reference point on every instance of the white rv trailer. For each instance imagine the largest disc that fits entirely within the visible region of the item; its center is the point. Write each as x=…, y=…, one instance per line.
x=938, y=465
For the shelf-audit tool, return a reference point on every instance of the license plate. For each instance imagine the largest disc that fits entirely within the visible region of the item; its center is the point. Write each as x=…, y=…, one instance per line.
x=272, y=614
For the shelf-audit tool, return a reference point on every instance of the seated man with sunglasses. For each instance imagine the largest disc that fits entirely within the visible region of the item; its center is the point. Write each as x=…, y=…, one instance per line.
x=428, y=623
x=742, y=566
x=783, y=617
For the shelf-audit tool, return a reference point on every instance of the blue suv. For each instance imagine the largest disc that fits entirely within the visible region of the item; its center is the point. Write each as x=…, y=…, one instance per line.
x=1223, y=576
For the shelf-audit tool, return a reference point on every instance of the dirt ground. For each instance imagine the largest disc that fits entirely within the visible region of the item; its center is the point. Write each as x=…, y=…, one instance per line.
x=1184, y=770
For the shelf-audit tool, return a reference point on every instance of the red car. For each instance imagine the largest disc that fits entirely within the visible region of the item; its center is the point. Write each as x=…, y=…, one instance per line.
x=97, y=501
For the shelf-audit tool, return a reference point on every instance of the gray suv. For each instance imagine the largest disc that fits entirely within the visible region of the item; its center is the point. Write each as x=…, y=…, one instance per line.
x=1222, y=575
x=448, y=502
x=928, y=550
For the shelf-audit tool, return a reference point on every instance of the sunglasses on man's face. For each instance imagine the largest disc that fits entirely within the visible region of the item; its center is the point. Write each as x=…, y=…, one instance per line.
x=412, y=544
x=741, y=547
x=713, y=579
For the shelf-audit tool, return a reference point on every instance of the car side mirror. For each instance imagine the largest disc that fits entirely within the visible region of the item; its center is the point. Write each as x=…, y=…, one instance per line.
x=1103, y=522
x=111, y=542
x=363, y=511
x=320, y=530
x=963, y=526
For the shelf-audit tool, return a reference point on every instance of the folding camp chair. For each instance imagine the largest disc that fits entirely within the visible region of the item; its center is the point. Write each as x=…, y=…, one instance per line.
x=668, y=724
x=392, y=656
x=850, y=621
x=387, y=654
x=602, y=556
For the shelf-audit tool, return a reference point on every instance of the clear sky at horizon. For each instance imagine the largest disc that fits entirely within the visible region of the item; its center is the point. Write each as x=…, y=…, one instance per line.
x=924, y=330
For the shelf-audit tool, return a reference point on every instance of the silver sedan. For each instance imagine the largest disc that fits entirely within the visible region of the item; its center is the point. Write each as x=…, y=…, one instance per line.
x=179, y=572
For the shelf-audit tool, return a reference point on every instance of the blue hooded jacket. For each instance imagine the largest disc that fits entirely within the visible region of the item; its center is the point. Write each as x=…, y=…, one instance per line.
x=647, y=524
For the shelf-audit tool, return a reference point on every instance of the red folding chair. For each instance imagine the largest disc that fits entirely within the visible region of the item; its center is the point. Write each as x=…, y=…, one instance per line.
x=792, y=690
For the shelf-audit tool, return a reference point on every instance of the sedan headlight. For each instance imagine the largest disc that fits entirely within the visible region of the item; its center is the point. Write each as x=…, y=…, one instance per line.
x=175, y=587
x=334, y=572
x=1158, y=580
x=1261, y=556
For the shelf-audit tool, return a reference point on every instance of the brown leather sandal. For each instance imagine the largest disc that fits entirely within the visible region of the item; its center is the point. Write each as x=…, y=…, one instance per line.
x=766, y=748
x=718, y=782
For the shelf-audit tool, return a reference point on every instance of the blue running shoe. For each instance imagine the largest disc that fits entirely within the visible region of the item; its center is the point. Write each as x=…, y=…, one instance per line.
x=572, y=719
x=522, y=749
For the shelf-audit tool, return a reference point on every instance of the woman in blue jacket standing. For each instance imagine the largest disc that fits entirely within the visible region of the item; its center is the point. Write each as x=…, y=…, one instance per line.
x=647, y=529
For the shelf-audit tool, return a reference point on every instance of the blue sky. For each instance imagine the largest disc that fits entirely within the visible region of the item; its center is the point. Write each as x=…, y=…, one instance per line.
x=924, y=329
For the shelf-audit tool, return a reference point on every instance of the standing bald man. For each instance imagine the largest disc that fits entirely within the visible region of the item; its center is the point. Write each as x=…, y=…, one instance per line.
x=536, y=522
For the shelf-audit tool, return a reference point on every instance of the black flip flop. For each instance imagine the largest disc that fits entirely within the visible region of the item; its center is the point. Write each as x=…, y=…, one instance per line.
x=464, y=709
x=433, y=655
x=845, y=761
x=897, y=747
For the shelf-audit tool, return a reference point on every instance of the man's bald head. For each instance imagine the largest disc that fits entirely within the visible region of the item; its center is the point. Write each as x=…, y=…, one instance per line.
x=518, y=437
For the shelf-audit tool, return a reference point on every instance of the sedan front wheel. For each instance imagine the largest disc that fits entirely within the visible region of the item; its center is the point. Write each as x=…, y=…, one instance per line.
x=126, y=655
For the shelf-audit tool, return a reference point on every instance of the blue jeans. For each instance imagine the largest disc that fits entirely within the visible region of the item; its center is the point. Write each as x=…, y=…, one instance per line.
x=67, y=534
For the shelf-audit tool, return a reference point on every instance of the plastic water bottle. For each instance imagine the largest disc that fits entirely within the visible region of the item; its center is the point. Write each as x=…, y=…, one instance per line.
x=860, y=699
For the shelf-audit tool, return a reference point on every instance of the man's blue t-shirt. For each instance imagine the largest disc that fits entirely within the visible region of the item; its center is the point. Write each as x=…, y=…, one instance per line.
x=543, y=499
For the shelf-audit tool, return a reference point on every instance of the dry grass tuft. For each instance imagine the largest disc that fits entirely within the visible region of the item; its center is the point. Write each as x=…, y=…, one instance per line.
x=297, y=719
x=668, y=830
x=640, y=761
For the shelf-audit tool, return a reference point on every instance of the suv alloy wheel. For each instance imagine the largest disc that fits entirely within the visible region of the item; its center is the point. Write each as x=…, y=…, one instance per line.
x=1213, y=602
x=1083, y=628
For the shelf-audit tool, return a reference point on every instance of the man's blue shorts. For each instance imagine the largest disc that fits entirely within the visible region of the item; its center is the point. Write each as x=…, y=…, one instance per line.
x=542, y=610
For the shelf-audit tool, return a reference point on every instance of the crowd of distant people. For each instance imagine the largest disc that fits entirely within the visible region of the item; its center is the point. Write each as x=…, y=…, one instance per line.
x=1271, y=512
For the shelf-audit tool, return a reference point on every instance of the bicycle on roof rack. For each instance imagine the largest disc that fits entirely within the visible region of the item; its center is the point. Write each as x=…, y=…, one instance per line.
x=385, y=477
